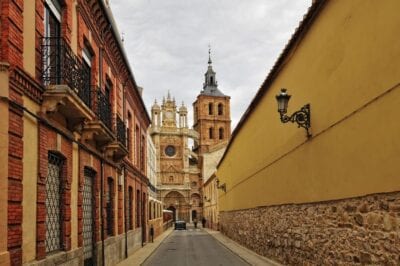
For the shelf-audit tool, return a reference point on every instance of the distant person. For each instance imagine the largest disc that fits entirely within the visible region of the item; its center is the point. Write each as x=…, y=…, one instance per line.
x=195, y=222
x=203, y=222
x=152, y=233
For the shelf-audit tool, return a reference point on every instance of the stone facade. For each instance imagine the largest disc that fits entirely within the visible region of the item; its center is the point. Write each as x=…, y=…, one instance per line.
x=178, y=175
x=363, y=230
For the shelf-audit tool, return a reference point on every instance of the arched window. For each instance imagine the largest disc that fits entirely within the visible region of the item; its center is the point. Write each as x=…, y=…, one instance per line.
x=210, y=108
x=220, y=109
x=210, y=133
x=211, y=80
x=221, y=133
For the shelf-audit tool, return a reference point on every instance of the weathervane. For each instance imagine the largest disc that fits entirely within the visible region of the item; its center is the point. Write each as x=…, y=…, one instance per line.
x=209, y=54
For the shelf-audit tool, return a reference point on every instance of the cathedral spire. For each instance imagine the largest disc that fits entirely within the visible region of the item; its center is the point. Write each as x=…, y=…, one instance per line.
x=210, y=85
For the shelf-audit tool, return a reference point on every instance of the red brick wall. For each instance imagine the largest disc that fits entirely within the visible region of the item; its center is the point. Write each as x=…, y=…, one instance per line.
x=15, y=175
x=11, y=42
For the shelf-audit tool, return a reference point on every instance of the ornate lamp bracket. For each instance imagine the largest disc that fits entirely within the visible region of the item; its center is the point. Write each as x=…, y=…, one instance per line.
x=301, y=117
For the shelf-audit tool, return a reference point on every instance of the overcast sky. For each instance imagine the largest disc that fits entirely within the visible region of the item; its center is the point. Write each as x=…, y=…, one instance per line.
x=167, y=44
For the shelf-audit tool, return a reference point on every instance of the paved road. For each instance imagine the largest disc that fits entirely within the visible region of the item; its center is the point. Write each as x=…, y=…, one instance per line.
x=192, y=247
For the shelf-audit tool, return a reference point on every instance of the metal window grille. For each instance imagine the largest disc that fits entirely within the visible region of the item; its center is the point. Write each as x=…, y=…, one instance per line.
x=53, y=204
x=88, y=207
x=110, y=207
x=137, y=208
x=130, y=209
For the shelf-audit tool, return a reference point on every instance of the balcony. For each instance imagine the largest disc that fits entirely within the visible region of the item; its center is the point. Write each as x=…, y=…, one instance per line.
x=67, y=83
x=118, y=149
x=99, y=130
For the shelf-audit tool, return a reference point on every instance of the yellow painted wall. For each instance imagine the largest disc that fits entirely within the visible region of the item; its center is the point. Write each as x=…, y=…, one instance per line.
x=74, y=196
x=29, y=182
x=29, y=37
x=4, y=256
x=345, y=68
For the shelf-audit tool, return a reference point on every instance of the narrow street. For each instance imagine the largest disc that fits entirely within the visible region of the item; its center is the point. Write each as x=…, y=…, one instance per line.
x=192, y=247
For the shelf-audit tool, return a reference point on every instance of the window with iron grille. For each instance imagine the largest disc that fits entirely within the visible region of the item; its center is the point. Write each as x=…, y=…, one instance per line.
x=137, y=208
x=53, y=203
x=110, y=206
x=130, y=209
x=88, y=206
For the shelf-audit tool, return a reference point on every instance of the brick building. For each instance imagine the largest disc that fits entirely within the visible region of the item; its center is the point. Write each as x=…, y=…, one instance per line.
x=73, y=137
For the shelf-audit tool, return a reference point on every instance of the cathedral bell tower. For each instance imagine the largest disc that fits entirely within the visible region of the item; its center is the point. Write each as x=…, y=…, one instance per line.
x=211, y=112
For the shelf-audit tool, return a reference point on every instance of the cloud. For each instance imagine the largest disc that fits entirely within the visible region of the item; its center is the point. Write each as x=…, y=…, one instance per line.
x=167, y=44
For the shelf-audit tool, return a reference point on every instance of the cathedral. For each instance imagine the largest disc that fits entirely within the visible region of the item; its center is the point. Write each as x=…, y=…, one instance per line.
x=181, y=169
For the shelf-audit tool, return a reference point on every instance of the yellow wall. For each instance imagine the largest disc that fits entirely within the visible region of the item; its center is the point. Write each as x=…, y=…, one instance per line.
x=29, y=37
x=349, y=57
x=29, y=182
x=4, y=256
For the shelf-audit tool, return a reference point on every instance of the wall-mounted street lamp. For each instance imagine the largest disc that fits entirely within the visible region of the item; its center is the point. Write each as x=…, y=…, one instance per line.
x=301, y=117
x=222, y=186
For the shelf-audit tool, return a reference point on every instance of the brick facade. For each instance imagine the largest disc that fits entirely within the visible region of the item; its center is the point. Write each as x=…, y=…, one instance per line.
x=59, y=131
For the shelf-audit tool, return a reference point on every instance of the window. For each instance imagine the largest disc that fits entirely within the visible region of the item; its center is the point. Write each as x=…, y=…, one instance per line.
x=150, y=204
x=87, y=67
x=142, y=154
x=88, y=207
x=130, y=209
x=137, y=208
x=171, y=179
x=108, y=89
x=210, y=133
x=52, y=42
x=221, y=133
x=194, y=184
x=137, y=144
x=110, y=206
x=220, y=109
x=210, y=108
x=54, y=203
x=211, y=80
x=129, y=137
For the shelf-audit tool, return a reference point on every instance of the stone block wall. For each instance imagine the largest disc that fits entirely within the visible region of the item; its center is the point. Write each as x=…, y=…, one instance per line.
x=364, y=230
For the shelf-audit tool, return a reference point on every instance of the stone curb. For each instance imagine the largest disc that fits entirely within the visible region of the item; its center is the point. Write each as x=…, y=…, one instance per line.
x=246, y=254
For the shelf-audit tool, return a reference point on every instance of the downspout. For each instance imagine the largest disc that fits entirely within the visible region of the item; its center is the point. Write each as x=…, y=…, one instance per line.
x=102, y=211
x=142, y=209
x=125, y=209
x=124, y=172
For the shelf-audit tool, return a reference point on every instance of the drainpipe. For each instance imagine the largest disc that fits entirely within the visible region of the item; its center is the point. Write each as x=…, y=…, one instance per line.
x=101, y=211
x=125, y=210
x=142, y=208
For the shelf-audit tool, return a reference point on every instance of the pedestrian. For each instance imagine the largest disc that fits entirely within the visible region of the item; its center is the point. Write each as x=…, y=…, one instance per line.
x=203, y=222
x=152, y=233
x=195, y=222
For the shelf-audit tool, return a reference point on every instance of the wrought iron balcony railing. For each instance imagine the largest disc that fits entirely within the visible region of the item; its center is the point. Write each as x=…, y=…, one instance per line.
x=61, y=66
x=102, y=108
x=121, y=131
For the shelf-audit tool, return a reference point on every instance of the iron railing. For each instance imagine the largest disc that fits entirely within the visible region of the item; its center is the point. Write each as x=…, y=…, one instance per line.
x=102, y=108
x=121, y=131
x=61, y=66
